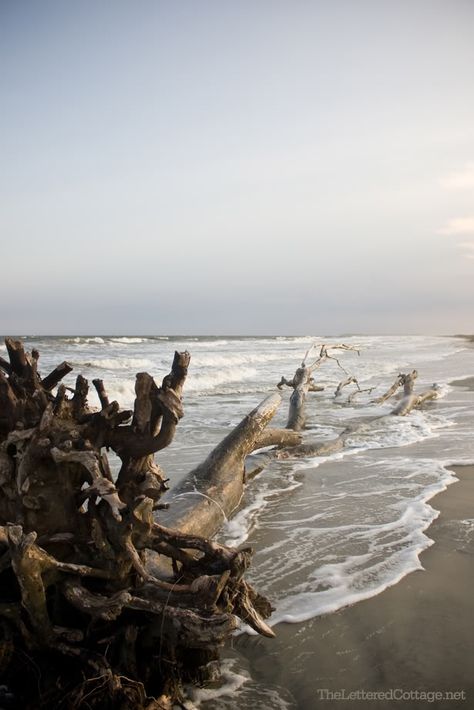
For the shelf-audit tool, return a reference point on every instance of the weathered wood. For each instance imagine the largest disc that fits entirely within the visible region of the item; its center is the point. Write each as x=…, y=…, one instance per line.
x=5, y=366
x=303, y=382
x=321, y=448
x=54, y=377
x=212, y=491
x=10, y=407
x=410, y=400
x=101, y=393
x=297, y=410
x=77, y=548
x=278, y=437
x=163, y=405
x=359, y=391
x=391, y=390
x=19, y=362
x=344, y=383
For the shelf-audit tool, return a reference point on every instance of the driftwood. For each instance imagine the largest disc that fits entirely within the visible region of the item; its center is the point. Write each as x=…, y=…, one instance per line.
x=303, y=382
x=212, y=491
x=409, y=400
x=344, y=383
x=82, y=596
x=391, y=390
x=351, y=381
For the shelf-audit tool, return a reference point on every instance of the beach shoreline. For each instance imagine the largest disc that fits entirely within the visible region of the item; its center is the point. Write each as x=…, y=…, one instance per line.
x=408, y=646
x=415, y=638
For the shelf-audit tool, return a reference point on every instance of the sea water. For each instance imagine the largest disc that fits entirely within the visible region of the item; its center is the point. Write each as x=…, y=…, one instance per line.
x=327, y=531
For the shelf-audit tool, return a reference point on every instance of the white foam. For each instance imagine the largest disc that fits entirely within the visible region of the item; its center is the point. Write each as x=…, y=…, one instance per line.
x=119, y=363
x=121, y=390
x=233, y=359
x=237, y=529
x=209, y=344
x=236, y=690
x=96, y=340
x=261, y=493
x=391, y=431
x=129, y=341
x=231, y=682
x=213, y=380
x=389, y=549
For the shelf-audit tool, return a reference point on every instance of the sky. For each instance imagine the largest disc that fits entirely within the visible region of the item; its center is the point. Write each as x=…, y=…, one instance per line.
x=236, y=167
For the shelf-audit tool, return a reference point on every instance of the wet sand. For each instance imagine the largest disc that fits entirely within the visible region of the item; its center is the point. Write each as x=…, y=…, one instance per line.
x=417, y=636
x=466, y=382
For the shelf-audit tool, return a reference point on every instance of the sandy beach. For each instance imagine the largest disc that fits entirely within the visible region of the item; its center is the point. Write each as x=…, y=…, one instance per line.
x=416, y=638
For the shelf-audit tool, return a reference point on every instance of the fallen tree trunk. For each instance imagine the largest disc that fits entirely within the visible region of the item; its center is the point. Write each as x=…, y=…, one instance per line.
x=77, y=593
x=212, y=491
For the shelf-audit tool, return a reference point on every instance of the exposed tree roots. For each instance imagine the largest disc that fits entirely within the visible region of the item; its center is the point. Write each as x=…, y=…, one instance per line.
x=88, y=618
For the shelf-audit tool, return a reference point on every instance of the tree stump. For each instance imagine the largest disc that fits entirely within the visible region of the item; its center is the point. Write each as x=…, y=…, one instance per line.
x=86, y=619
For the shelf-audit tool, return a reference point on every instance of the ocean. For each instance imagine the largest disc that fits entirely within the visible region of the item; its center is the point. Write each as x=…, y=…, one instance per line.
x=327, y=531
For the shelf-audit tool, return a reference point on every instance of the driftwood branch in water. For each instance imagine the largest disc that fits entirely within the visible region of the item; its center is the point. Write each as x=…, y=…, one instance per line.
x=80, y=589
x=349, y=381
x=325, y=353
x=344, y=383
x=391, y=390
x=359, y=391
x=303, y=382
x=409, y=400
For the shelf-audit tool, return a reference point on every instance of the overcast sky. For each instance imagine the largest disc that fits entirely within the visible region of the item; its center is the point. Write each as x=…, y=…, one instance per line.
x=245, y=166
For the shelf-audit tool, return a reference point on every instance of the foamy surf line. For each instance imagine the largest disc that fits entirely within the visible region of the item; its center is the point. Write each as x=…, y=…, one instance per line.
x=117, y=363
x=237, y=687
x=352, y=580
x=406, y=432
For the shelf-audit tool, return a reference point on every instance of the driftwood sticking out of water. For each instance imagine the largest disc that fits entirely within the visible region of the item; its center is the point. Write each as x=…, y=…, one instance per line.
x=351, y=381
x=303, y=382
x=344, y=383
x=359, y=391
x=391, y=390
x=79, y=592
x=409, y=400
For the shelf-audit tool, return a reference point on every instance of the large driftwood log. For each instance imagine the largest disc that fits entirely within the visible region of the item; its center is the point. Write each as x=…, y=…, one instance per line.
x=212, y=491
x=80, y=591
